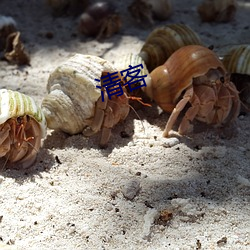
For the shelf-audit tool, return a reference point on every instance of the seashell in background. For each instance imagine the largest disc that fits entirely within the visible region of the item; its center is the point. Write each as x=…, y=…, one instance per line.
x=7, y=26
x=163, y=41
x=100, y=19
x=132, y=59
x=217, y=11
x=237, y=62
x=22, y=127
x=67, y=7
x=145, y=11
x=194, y=74
x=74, y=104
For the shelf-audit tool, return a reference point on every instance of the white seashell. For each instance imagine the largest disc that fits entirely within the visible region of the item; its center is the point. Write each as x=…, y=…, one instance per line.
x=73, y=94
x=22, y=126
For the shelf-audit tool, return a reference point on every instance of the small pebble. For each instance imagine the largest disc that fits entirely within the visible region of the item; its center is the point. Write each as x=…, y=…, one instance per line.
x=169, y=142
x=131, y=189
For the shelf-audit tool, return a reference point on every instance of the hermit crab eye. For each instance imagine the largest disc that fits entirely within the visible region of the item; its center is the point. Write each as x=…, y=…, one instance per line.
x=19, y=119
x=222, y=79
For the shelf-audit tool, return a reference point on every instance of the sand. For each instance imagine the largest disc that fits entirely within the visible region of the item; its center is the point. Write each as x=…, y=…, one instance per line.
x=142, y=192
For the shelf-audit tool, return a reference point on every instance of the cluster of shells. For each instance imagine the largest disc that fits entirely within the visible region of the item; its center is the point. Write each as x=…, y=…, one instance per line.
x=179, y=69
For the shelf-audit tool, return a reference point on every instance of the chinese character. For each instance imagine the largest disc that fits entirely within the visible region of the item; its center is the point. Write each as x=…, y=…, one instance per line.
x=112, y=83
x=134, y=77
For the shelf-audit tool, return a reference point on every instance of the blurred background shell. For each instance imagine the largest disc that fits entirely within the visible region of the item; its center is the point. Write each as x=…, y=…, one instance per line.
x=237, y=59
x=237, y=62
x=217, y=10
x=163, y=41
x=100, y=19
x=145, y=11
x=72, y=93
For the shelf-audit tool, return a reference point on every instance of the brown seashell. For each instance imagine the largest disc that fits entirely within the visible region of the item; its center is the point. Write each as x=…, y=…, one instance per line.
x=163, y=41
x=194, y=74
x=217, y=11
x=99, y=19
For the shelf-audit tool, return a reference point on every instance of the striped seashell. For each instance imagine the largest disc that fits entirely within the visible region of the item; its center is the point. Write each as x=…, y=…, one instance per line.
x=164, y=41
x=237, y=62
x=237, y=59
x=22, y=126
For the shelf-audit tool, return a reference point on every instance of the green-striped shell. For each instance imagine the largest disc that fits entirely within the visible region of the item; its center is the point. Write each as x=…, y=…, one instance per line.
x=237, y=59
x=163, y=41
x=15, y=104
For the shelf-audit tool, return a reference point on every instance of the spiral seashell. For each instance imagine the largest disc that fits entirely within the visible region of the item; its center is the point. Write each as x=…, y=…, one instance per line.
x=163, y=41
x=194, y=74
x=237, y=62
x=237, y=59
x=73, y=101
x=22, y=126
x=217, y=11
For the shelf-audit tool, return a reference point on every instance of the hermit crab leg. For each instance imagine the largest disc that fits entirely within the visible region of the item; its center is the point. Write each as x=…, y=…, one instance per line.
x=179, y=107
x=185, y=126
x=98, y=116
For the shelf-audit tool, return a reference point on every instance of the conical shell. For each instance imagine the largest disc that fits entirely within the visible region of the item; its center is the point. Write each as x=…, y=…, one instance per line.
x=217, y=11
x=72, y=92
x=163, y=41
x=237, y=59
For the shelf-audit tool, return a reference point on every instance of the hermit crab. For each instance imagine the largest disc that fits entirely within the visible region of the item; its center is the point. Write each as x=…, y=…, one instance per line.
x=22, y=128
x=164, y=41
x=145, y=11
x=194, y=74
x=77, y=101
x=100, y=19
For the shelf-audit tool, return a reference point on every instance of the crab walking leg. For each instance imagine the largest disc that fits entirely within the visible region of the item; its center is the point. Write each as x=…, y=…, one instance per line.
x=108, y=123
x=4, y=139
x=179, y=107
x=98, y=117
x=186, y=126
x=233, y=96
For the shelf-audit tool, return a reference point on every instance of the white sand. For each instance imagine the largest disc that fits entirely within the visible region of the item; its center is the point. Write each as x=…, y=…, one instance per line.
x=78, y=204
